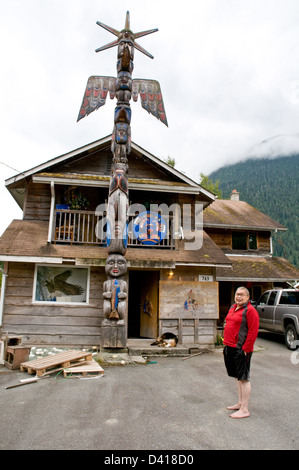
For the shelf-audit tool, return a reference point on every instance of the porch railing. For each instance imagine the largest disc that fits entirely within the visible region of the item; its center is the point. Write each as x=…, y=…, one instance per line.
x=80, y=227
x=71, y=226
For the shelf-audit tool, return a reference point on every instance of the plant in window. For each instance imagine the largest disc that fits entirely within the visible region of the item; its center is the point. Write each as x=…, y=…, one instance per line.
x=78, y=201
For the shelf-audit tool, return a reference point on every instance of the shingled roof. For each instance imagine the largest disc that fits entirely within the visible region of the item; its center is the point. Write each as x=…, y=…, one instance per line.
x=237, y=215
x=256, y=268
x=27, y=240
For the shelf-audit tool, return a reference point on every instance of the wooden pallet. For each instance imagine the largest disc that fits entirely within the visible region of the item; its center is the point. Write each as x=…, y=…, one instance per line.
x=61, y=360
x=89, y=368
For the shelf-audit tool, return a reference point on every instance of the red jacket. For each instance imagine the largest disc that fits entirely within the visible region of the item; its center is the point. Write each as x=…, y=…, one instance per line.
x=240, y=331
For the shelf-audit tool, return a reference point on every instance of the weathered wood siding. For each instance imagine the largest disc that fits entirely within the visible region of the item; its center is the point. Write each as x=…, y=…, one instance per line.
x=62, y=325
x=195, y=321
x=99, y=163
x=37, y=202
x=139, y=168
x=223, y=239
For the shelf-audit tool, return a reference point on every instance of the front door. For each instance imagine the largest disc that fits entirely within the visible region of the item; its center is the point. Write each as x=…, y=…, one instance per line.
x=143, y=304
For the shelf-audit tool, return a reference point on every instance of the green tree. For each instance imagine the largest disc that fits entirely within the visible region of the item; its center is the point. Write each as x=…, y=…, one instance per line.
x=170, y=161
x=271, y=186
x=210, y=185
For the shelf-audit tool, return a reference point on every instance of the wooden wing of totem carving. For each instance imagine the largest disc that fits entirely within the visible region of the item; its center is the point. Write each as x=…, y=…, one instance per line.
x=96, y=93
x=98, y=87
x=150, y=96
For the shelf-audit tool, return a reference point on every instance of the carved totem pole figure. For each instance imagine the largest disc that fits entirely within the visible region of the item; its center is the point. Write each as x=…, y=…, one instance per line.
x=123, y=88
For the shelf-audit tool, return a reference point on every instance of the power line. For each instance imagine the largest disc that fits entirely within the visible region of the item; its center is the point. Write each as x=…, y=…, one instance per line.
x=18, y=171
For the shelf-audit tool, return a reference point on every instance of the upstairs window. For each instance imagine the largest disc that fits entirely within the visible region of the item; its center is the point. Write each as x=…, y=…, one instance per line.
x=252, y=241
x=239, y=241
x=244, y=241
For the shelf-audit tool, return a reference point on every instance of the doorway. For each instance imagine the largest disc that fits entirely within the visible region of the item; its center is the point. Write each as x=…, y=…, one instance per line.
x=143, y=304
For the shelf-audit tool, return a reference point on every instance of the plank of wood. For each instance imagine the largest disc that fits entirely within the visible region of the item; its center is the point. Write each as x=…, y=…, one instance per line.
x=88, y=368
x=51, y=371
x=22, y=383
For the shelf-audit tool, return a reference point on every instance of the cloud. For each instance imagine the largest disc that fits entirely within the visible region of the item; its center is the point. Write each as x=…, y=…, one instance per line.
x=276, y=146
x=228, y=72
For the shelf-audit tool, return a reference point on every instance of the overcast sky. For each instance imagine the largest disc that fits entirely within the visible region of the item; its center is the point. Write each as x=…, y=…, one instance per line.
x=228, y=70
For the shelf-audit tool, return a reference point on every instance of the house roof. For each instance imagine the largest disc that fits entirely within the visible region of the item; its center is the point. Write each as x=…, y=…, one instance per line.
x=143, y=184
x=229, y=214
x=257, y=268
x=26, y=240
x=49, y=170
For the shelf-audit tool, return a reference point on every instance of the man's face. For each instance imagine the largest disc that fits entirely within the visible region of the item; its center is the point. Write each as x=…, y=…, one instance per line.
x=115, y=265
x=241, y=297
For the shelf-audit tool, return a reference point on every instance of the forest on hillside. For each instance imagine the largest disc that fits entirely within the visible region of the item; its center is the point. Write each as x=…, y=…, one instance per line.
x=271, y=185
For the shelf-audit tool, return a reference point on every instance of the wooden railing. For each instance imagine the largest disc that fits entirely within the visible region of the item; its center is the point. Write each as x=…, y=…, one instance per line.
x=72, y=226
x=167, y=242
x=80, y=227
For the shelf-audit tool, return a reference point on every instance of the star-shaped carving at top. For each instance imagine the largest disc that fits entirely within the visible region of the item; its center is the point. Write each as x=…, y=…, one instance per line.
x=126, y=33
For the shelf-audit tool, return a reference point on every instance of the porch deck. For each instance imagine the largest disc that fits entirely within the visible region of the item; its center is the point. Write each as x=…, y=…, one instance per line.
x=142, y=347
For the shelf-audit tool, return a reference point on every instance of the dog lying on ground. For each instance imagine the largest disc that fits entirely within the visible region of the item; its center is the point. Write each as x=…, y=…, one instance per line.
x=167, y=340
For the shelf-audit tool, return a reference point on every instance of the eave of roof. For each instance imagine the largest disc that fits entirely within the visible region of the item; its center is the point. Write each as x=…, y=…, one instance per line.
x=142, y=184
x=26, y=240
x=243, y=227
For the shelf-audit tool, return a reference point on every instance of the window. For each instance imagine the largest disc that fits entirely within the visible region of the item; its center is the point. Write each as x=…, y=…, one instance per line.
x=263, y=299
x=244, y=241
x=256, y=292
x=252, y=241
x=289, y=298
x=61, y=284
x=239, y=241
x=272, y=298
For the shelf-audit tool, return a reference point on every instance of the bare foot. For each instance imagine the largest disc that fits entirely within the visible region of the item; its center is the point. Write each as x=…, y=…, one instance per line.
x=240, y=414
x=234, y=407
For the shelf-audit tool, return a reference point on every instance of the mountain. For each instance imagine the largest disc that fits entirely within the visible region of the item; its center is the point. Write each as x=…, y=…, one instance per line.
x=272, y=186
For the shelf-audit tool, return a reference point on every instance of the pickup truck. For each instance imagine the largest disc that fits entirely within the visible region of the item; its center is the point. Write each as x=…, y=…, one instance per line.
x=279, y=312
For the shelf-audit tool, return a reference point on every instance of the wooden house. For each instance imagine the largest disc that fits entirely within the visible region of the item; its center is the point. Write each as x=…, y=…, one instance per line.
x=54, y=258
x=245, y=235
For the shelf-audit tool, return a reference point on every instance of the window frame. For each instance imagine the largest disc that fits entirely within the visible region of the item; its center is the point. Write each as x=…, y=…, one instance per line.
x=256, y=238
x=60, y=302
x=246, y=237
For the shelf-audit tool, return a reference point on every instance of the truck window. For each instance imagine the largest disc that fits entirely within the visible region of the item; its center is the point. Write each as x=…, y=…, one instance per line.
x=289, y=298
x=271, y=300
x=263, y=299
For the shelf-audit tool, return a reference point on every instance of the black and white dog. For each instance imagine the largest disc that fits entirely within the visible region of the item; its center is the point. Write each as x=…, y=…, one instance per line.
x=167, y=340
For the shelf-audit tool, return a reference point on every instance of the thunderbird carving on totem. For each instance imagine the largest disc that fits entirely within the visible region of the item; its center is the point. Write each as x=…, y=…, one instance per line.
x=123, y=88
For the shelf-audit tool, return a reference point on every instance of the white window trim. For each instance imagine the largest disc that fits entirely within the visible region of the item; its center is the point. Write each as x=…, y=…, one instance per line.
x=50, y=303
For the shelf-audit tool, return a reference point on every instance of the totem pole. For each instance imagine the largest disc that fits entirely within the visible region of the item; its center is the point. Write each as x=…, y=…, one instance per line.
x=115, y=290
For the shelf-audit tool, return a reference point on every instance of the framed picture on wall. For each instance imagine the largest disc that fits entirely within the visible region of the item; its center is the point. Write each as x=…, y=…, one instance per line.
x=62, y=284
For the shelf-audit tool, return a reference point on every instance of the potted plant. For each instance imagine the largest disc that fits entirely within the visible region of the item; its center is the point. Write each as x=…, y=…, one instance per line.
x=78, y=201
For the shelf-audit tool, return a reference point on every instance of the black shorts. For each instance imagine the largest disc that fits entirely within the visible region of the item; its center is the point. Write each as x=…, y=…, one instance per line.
x=237, y=363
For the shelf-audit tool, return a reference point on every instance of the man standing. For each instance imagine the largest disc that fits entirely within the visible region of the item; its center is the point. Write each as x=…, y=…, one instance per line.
x=240, y=333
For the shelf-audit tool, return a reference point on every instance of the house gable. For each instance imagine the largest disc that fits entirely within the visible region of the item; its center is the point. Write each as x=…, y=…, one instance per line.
x=91, y=166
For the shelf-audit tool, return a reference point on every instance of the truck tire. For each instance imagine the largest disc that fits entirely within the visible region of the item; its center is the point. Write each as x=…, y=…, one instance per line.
x=291, y=336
